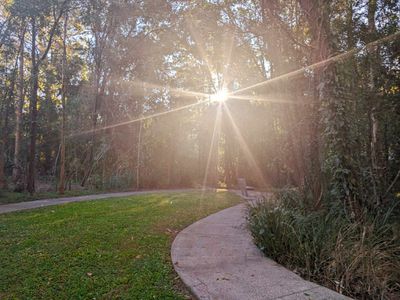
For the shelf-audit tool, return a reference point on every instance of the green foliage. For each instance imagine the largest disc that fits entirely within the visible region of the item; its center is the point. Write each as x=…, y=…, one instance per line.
x=313, y=131
x=103, y=249
x=359, y=259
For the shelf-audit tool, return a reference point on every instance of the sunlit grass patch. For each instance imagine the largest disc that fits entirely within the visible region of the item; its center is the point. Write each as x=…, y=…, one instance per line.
x=99, y=249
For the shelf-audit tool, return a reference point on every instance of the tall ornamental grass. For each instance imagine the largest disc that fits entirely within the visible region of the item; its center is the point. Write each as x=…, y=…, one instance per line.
x=358, y=258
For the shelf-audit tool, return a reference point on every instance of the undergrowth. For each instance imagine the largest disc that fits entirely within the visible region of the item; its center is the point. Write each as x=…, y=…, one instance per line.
x=359, y=259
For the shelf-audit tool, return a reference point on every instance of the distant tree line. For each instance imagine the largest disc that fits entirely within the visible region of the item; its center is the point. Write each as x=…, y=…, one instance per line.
x=71, y=70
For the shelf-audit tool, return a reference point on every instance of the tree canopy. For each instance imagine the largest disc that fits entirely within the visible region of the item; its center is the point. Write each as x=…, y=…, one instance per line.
x=118, y=94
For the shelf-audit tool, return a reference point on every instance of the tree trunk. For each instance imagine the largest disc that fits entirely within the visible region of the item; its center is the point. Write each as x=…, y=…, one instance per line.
x=3, y=181
x=4, y=114
x=3, y=138
x=63, y=117
x=229, y=147
x=17, y=167
x=33, y=113
x=139, y=146
x=33, y=110
x=99, y=93
x=374, y=121
x=316, y=12
x=92, y=139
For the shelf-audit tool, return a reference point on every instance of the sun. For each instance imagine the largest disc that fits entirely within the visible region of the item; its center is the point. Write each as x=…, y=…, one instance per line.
x=220, y=96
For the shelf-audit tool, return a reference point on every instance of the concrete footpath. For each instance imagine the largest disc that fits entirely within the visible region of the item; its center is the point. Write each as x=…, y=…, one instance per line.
x=6, y=208
x=217, y=259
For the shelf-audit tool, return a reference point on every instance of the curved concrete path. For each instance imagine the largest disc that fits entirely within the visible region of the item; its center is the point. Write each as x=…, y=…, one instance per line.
x=6, y=208
x=217, y=259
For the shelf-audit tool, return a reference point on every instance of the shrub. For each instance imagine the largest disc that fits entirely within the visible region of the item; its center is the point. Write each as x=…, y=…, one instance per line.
x=361, y=260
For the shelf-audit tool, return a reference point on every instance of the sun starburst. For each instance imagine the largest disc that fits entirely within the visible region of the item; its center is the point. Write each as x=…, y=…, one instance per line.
x=221, y=96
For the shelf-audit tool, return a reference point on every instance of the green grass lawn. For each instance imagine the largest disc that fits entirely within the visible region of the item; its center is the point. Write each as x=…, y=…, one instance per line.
x=104, y=249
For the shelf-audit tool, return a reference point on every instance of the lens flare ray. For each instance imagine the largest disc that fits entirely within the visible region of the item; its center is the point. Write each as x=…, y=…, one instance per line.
x=320, y=64
x=174, y=91
x=277, y=99
x=140, y=119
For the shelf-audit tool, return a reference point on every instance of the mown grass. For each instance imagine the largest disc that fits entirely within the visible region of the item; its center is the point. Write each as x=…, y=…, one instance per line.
x=105, y=249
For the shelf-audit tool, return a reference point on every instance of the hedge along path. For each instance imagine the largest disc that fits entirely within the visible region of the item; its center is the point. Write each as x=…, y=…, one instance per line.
x=217, y=259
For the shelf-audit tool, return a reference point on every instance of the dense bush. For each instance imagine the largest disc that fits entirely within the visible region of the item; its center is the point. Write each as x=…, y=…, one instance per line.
x=360, y=259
